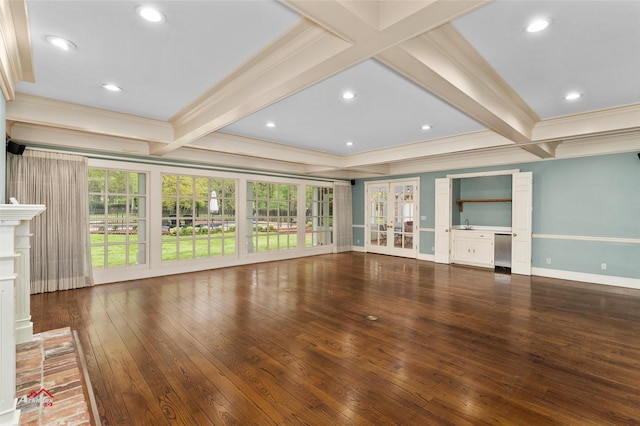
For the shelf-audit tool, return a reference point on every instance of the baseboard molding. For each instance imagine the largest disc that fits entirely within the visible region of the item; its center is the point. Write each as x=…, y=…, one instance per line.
x=359, y=249
x=589, y=278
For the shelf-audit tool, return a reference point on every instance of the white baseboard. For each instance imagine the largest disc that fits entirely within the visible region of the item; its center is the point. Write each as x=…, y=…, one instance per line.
x=359, y=249
x=589, y=278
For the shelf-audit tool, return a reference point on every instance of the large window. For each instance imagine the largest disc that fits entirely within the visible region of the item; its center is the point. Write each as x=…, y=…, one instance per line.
x=272, y=216
x=198, y=217
x=319, y=216
x=117, y=218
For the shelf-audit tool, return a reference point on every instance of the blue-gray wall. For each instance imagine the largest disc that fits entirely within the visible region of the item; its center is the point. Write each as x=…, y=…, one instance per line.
x=576, y=203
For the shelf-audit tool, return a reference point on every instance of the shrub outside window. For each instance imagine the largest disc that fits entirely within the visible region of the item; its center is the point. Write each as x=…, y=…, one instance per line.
x=198, y=217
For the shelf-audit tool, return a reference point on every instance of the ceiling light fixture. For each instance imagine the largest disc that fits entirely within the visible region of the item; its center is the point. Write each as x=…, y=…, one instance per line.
x=350, y=143
x=150, y=14
x=348, y=95
x=537, y=25
x=112, y=87
x=59, y=42
x=270, y=124
x=425, y=127
x=573, y=96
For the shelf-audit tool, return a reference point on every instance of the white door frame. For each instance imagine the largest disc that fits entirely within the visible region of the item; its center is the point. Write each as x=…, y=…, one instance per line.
x=442, y=219
x=390, y=246
x=522, y=214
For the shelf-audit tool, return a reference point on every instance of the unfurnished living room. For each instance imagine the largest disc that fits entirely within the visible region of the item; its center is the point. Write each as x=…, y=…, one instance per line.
x=320, y=212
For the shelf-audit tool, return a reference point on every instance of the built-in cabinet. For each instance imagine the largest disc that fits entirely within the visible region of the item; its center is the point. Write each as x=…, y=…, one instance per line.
x=473, y=248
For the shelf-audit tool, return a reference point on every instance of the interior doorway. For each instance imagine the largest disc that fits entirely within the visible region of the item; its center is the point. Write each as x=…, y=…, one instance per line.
x=392, y=212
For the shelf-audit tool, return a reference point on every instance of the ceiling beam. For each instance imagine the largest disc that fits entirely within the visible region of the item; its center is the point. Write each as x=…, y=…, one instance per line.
x=291, y=63
x=445, y=64
x=439, y=60
x=305, y=55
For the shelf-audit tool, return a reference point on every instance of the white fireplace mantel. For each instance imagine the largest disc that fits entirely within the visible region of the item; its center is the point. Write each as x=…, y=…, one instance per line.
x=15, y=317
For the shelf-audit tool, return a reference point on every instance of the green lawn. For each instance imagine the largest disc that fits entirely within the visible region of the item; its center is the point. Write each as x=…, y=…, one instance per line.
x=174, y=247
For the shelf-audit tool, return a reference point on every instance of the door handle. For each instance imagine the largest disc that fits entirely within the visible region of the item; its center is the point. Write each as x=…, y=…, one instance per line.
x=515, y=235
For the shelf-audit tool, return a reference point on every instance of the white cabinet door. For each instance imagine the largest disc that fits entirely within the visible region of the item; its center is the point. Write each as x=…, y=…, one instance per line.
x=473, y=248
x=442, y=220
x=522, y=207
x=483, y=249
x=462, y=246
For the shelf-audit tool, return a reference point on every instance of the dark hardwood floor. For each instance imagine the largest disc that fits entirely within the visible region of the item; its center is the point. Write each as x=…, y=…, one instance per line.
x=289, y=343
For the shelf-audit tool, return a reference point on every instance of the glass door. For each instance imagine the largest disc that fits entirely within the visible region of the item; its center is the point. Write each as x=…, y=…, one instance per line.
x=391, y=214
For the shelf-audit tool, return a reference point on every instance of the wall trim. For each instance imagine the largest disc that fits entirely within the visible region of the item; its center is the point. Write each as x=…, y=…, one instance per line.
x=587, y=238
x=589, y=278
x=483, y=174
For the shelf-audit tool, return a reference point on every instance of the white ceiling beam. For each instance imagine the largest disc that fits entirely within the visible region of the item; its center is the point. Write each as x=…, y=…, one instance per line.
x=305, y=55
x=440, y=60
x=242, y=145
x=445, y=64
x=351, y=21
x=48, y=112
x=276, y=72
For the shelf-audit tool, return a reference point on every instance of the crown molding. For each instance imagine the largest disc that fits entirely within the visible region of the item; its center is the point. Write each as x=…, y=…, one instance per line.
x=609, y=120
x=16, y=63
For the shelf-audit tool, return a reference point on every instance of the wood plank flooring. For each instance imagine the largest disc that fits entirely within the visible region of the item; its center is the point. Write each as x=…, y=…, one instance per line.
x=288, y=343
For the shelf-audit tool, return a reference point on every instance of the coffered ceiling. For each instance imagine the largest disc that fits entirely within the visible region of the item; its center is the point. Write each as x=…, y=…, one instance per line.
x=202, y=84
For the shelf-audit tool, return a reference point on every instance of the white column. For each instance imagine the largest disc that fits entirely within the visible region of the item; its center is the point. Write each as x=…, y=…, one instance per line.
x=11, y=216
x=24, y=326
x=8, y=413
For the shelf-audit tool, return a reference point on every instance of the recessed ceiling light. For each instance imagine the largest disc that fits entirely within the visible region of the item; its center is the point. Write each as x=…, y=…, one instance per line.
x=573, y=96
x=348, y=95
x=425, y=127
x=59, y=42
x=537, y=25
x=150, y=14
x=350, y=143
x=112, y=87
x=270, y=124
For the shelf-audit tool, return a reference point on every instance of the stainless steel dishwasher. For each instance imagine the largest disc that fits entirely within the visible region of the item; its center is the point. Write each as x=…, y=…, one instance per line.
x=502, y=255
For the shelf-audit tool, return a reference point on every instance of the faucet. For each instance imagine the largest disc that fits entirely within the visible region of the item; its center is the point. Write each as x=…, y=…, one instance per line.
x=466, y=224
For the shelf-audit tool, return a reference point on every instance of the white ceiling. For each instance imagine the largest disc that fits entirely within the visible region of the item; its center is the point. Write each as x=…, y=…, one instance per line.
x=219, y=68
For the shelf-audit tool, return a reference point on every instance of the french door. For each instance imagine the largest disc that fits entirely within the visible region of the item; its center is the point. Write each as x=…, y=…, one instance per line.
x=392, y=211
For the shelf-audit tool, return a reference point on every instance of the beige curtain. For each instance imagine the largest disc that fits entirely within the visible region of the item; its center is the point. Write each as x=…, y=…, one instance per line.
x=342, y=217
x=60, y=250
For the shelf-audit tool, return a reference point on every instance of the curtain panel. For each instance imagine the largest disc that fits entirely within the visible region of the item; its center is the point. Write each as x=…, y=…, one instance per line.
x=342, y=217
x=60, y=253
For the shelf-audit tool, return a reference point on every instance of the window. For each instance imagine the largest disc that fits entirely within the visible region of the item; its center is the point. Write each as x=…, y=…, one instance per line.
x=319, y=216
x=272, y=216
x=117, y=218
x=198, y=217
